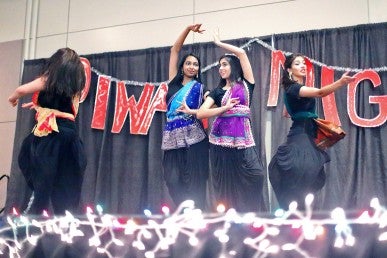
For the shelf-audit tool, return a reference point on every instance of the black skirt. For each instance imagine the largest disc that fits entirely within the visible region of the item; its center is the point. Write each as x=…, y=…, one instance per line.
x=297, y=168
x=186, y=173
x=53, y=167
x=237, y=178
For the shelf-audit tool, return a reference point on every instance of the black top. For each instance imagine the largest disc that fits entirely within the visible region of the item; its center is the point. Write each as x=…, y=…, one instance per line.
x=297, y=103
x=55, y=101
x=300, y=104
x=218, y=93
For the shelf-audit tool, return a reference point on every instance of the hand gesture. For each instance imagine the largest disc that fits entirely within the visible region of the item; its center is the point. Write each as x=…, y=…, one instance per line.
x=13, y=101
x=196, y=28
x=231, y=102
x=29, y=105
x=345, y=78
x=216, y=37
x=184, y=108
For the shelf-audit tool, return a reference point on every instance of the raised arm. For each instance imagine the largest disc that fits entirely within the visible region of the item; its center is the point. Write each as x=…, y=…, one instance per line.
x=175, y=49
x=310, y=92
x=28, y=88
x=241, y=54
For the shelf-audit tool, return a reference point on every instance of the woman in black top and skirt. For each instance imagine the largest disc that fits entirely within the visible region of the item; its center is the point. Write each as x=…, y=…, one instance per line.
x=297, y=168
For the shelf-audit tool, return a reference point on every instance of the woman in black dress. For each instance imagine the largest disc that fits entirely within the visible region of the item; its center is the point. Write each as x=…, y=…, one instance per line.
x=236, y=168
x=297, y=168
x=185, y=142
x=52, y=158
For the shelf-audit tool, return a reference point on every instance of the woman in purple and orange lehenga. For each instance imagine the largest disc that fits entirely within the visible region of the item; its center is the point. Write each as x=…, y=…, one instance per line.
x=236, y=168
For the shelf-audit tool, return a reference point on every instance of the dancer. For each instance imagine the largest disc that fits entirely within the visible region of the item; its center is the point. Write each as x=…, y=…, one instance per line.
x=185, y=142
x=297, y=168
x=52, y=158
x=237, y=170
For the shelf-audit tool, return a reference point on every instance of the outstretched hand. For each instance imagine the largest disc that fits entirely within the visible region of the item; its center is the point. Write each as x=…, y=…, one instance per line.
x=216, y=37
x=345, y=78
x=196, y=28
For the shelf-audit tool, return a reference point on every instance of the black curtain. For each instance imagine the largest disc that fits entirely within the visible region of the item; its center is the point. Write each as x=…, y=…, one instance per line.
x=124, y=172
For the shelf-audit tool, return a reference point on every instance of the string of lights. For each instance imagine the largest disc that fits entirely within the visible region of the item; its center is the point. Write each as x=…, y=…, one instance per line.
x=110, y=230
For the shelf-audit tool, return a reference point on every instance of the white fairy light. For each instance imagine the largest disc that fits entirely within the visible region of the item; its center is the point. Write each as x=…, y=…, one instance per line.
x=279, y=213
x=274, y=249
x=375, y=203
x=147, y=213
x=232, y=252
x=264, y=244
x=130, y=227
x=309, y=200
x=309, y=231
x=149, y=254
x=248, y=241
x=147, y=234
x=193, y=241
x=224, y=238
x=188, y=221
x=383, y=237
x=221, y=208
x=339, y=242
x=99, y=209
x=165, y=210
x=342, y=228
x=293, y=206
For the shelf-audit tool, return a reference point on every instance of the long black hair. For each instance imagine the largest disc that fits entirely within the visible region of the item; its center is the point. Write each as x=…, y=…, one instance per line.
x=286, y=80
x=178, y=79
x=236, y=74
x=65, y=74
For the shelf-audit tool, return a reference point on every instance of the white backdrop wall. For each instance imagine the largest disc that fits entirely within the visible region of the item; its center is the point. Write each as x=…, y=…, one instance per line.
x=95, y=26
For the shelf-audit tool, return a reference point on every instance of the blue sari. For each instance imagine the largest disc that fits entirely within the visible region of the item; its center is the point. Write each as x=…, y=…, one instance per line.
x=182, y=130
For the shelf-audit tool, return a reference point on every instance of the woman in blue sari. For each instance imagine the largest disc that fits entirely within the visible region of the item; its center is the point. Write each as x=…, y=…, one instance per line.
x=185, y=141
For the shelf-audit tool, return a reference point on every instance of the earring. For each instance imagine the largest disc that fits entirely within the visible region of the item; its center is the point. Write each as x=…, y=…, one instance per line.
x=290, y=76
